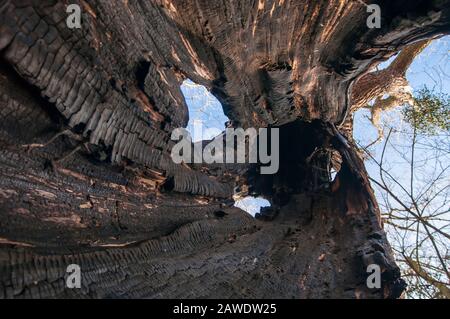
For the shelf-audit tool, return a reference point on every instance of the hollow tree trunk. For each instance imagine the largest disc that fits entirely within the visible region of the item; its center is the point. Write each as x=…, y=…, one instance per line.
x=86, y=175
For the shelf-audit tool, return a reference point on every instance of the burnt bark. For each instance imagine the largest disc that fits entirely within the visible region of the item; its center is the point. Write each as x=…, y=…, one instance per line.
x=86, y=174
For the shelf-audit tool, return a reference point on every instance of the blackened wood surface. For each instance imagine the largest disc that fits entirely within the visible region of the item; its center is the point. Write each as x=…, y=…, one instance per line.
x=86, y=175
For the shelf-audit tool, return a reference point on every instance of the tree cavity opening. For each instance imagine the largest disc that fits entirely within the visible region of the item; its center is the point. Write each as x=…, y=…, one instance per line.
x=206, y=117
x=252, y=205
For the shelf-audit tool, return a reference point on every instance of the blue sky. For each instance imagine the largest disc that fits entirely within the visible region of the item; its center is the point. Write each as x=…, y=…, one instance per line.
x=204, y=107
x=431, y=164
x=430, y=68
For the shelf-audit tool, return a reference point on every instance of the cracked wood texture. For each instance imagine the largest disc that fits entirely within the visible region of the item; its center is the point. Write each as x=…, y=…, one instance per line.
x=85, y=170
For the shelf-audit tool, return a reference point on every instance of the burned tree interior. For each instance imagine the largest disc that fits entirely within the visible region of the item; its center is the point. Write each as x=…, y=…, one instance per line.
x=86, y=176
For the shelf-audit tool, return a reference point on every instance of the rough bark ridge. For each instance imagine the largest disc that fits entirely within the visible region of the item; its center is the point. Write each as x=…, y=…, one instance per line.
x=86, y=176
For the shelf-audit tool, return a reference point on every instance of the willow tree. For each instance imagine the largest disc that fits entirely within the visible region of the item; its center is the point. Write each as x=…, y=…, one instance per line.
x=86, y=173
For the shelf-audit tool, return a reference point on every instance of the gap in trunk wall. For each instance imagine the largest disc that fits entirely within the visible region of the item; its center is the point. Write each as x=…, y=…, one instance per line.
x=205, y=112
